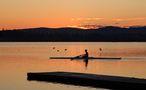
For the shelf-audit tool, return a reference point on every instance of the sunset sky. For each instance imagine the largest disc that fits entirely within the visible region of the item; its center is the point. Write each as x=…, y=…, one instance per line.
x=64, y=13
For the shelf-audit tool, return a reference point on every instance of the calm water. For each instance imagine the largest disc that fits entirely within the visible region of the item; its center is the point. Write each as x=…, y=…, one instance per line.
x=16, y=59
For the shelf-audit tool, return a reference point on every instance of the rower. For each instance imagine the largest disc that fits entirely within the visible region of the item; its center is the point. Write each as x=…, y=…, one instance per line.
x=86, y=53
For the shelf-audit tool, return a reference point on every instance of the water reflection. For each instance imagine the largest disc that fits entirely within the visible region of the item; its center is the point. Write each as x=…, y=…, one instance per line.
x=33, y=57
x=86, y=62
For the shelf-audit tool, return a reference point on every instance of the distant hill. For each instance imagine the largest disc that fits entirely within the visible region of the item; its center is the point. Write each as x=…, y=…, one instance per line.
x=104, y=34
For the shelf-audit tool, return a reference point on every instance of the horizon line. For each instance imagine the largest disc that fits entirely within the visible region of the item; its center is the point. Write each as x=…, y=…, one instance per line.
x=84, y=28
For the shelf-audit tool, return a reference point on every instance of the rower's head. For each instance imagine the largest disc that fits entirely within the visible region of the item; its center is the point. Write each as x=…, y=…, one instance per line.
x=86, y=50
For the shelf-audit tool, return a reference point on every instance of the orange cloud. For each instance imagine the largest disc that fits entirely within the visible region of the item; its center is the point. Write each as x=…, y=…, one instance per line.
x=129, y=19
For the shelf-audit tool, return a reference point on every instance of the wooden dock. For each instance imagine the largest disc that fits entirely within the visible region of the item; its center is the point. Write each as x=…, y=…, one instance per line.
x=92, y=80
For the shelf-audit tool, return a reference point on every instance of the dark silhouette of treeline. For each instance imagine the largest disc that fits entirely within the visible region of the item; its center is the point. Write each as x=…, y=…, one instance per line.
x=104, y=34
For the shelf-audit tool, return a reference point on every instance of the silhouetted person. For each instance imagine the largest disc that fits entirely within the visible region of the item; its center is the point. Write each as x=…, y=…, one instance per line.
x=83, y=55
x=86, y=54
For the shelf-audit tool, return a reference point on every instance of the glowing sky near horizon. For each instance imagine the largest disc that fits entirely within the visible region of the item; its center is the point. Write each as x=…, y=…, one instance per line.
x=62, y=13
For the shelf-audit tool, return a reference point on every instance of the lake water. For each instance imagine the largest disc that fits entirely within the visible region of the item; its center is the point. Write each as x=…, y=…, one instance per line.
x=17, y=59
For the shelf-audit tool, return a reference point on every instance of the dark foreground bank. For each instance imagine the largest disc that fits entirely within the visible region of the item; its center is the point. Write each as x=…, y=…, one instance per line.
x=92, y=80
